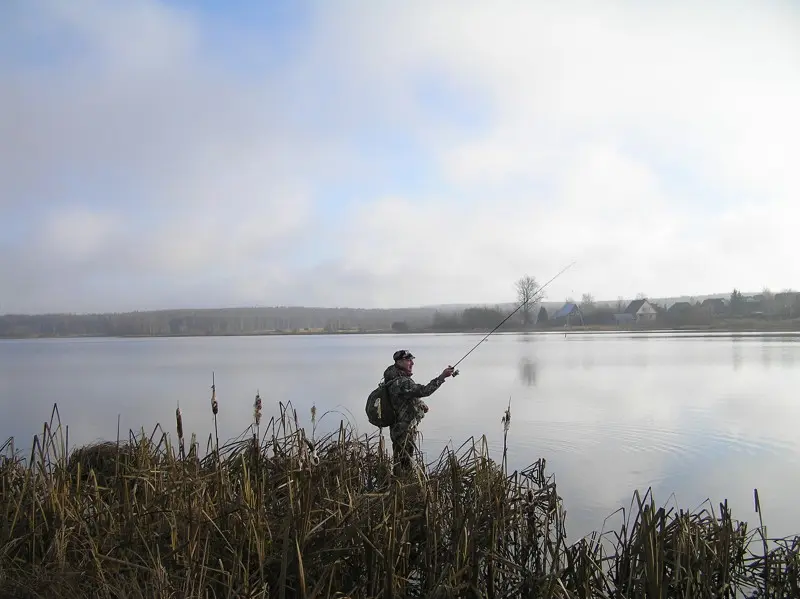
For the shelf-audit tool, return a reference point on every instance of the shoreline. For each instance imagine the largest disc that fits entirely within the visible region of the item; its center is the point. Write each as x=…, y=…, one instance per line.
x=749, y=326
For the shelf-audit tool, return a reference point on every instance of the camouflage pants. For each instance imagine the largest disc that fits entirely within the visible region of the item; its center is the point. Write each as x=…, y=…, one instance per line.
x=403, y=447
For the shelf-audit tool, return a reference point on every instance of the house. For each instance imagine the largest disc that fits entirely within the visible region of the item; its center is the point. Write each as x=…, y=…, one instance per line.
x=752, y=305
x=787, y=299
x=642, y=310
x=567, y=312
x=715, y=304
x=680, y=308
x=787, y=303
x=623, y=318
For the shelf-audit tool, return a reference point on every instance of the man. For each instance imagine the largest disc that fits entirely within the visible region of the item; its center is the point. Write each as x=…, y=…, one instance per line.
x=406, y=398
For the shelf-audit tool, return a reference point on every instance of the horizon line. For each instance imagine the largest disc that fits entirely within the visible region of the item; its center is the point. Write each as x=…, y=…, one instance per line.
x=311, y=307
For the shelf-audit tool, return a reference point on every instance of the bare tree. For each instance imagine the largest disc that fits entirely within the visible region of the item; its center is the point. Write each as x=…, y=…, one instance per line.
x=621, y=304
x=768, y=301
x=527, y=288
x=587, y=301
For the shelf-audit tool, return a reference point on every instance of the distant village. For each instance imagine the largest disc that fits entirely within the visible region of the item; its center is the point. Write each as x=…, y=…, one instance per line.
x=751, y=311
x=642, y=311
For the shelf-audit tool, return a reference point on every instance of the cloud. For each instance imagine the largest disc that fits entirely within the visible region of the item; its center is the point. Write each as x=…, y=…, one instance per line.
x=652, y=145
x=386, y=156
x=133, y=163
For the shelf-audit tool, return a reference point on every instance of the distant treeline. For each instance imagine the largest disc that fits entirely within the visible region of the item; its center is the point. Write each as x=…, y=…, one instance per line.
x=232, y=321
x=286, y=319
x=258, y=321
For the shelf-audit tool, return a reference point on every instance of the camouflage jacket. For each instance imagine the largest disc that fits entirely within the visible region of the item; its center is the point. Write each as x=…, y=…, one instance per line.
x=406, y=398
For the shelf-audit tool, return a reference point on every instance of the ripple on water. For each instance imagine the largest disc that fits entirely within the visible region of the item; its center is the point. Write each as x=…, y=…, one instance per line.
x=689, y=440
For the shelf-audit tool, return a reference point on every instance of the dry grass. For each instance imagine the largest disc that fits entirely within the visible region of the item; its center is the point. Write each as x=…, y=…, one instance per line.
x=280, y=515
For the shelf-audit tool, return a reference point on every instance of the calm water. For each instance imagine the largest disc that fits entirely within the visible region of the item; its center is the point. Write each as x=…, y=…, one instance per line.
x=700, y=417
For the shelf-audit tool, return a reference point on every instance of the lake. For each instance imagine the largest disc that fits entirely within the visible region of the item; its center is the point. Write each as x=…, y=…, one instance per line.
x=694, y=416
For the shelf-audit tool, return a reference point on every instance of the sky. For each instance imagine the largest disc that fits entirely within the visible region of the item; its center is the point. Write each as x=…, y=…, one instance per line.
x=165, y=154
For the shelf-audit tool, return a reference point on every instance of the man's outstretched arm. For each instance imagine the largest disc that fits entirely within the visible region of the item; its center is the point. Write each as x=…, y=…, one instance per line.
x=410, y=389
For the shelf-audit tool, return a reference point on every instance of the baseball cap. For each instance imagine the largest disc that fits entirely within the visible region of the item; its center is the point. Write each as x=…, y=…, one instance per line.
x=403, y=354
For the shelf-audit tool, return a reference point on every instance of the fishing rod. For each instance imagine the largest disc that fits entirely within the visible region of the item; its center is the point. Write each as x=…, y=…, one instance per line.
x=502, y=322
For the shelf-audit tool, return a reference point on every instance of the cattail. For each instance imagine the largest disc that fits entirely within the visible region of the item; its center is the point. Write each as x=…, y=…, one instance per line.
x=257, y=409
x=214, y=407
x=313, y=457
x=179, y=422
x=313, y=415
x=179, y=425
x=506, y=419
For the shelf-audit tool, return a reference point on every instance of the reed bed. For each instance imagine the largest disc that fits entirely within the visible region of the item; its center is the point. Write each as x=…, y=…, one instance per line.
x=277, y=513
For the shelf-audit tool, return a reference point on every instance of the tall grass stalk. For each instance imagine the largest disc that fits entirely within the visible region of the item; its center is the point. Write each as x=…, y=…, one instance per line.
x=283, y=516
x=214, y=411
x=506, y=420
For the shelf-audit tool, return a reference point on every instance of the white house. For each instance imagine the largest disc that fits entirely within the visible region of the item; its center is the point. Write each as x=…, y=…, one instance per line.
x=642, y=310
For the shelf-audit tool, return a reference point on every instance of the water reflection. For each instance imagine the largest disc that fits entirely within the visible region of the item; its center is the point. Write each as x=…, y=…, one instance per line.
x=766, y=357
x=787, y=357
x=736, y=349
x=528, y=371
x=610, y=416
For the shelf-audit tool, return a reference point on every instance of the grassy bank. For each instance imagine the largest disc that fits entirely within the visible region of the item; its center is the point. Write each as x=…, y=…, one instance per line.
x=281, y=513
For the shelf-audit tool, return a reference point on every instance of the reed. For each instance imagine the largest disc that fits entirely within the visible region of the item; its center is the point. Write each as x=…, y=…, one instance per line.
x=279, y=514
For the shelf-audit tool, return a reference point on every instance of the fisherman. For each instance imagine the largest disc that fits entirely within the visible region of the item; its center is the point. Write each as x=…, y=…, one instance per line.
x=406, y=398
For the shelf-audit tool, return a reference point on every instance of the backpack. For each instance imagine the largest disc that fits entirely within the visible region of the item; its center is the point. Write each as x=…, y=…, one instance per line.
x=379, y=408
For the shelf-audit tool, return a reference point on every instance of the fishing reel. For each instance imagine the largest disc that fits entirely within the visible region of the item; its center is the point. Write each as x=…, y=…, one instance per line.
x=455, y=373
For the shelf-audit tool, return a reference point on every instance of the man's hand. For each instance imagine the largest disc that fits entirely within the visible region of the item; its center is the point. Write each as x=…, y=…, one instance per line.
x=446, y=372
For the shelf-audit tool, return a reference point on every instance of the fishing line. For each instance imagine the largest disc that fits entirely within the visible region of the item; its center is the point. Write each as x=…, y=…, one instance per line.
x=502, y=322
